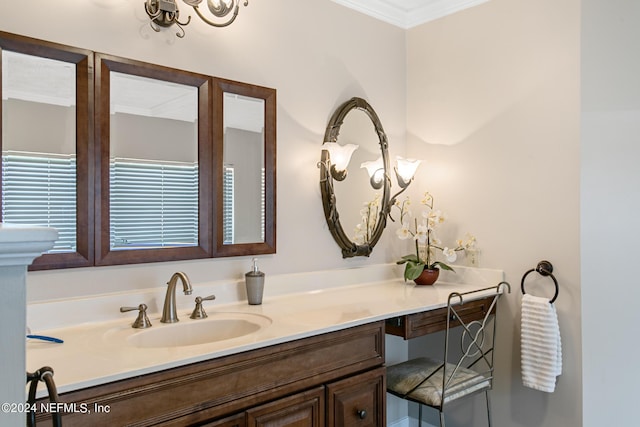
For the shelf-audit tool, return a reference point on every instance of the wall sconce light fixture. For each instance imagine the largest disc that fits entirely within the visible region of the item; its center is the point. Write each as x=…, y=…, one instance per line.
x=375, y=169
x=405, y=170
x=339, y=158
x=165, y=13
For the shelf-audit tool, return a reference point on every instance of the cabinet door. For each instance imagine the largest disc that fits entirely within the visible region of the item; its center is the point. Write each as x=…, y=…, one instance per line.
x=358, y=401
x=233, y=421
x=304, y=409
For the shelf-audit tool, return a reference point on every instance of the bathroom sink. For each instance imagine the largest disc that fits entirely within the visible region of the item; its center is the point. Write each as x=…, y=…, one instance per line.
x=187, y=332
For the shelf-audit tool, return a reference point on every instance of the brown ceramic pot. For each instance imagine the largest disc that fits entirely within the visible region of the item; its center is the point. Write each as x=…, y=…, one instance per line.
x=428, y=276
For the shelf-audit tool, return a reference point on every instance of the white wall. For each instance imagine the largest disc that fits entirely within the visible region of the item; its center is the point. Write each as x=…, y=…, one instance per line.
x=610, y=201
x=493, y=109
x=308, y=51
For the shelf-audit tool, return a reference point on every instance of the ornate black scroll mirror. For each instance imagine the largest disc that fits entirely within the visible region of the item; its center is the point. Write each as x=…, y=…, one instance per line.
x=350, y=192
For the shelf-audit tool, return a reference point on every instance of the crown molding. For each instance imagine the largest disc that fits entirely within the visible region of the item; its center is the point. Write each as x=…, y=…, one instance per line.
x=407, y=14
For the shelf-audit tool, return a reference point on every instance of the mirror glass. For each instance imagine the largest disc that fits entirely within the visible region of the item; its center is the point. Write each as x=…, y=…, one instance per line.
x=358, y=202
x=355, y=209
x=44, y=141
x=39, y=144
x=244, y=171
x=153, y=163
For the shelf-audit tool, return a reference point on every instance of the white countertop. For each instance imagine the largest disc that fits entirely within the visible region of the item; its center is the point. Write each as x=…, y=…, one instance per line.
x=91, y=355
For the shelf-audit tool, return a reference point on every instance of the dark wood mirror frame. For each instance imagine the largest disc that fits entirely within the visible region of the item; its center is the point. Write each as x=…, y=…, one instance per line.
x=83, y=60
x=220, y=86
x=92, y=154
x=329, y=203
x=104, y=255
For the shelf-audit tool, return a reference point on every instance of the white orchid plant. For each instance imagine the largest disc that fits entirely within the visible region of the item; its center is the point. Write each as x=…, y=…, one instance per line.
x=369, y=218
x=426, y=241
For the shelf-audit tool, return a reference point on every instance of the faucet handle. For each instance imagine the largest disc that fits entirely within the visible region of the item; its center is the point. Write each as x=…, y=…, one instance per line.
x=142, y=321
x=198, y=312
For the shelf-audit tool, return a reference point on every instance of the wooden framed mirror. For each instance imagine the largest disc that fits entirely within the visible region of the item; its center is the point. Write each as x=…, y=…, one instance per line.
x=153, y=130
x=125, y=156
x=245, y=165
x=46, y=142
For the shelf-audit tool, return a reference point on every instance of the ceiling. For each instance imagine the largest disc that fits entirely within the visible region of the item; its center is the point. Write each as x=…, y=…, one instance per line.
x=49, y=81
x=408, y=13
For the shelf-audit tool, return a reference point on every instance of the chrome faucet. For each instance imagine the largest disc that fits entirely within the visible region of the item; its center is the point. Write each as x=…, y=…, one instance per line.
x=169, y=310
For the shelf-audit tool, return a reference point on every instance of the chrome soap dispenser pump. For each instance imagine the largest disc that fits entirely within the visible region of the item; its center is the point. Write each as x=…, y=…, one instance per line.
x=255, y=284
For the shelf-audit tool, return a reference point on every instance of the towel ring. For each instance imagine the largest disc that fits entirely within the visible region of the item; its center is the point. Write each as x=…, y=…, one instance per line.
x=544, y=268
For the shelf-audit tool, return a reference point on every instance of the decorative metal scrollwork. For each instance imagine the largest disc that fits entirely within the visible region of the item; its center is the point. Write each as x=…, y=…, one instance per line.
x=165, y=13
x=329, y=202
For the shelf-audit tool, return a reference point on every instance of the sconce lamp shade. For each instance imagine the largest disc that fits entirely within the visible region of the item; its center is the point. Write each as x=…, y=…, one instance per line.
x=375, y=169
x=340, y=155
x=406, y=169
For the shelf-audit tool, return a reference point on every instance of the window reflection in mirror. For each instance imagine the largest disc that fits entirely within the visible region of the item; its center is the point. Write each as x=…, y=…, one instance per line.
x=153, y=125
x=45, y=140
x=39, y=145
x=244, y=172
x=153, y=163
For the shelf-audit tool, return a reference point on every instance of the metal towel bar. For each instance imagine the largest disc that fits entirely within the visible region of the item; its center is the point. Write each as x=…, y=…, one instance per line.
x=544, y=268
x=45, y=375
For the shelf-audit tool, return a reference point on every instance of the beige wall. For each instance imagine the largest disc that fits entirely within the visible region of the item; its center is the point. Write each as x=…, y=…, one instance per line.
x=317, y=54
x=315, y=61
x=490, y=99
x=494, y=110
x=610, y=201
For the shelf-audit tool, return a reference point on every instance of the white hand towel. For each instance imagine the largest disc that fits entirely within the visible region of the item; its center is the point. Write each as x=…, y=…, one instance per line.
x=540, y=344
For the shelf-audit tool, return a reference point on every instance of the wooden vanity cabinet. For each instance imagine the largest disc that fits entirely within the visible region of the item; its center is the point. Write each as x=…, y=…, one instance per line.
x=327, y=379
x=232, y=421
x=358, y=401
x=302, y=409
x=428, y=322
x=354, y=401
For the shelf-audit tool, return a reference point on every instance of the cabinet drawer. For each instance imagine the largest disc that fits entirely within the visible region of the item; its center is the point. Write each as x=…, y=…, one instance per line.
x=418, y=324
x=358, y=401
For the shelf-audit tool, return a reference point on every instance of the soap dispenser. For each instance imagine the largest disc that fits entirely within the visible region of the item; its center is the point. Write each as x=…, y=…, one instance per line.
x=255, y=284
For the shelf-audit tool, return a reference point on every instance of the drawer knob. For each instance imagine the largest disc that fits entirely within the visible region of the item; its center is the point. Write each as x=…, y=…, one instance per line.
x=362, y=414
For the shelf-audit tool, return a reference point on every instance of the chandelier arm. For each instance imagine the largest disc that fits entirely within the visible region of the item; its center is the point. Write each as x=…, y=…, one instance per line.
x=215, y=24
x=181, y=33
x=221, y=9
x=164, y=13
x=183, y=23
x=155, y=28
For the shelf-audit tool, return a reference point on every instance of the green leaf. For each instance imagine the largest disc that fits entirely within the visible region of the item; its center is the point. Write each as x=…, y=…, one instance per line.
x=408, y=258
x=413, y=270
x=443, y=266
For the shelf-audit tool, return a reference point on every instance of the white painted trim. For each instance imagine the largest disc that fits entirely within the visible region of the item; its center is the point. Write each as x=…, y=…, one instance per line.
x=437, y=9
x=378, y=9
x=403, y=18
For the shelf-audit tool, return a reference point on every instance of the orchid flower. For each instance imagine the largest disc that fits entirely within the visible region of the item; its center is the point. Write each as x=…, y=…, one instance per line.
x=426, y=241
